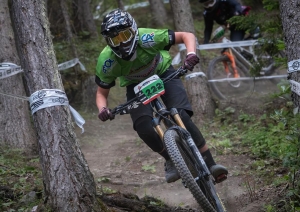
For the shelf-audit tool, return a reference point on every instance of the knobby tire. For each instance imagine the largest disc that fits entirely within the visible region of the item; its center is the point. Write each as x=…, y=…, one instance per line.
x=264, y=58
x=182, y=157
x=224, y=90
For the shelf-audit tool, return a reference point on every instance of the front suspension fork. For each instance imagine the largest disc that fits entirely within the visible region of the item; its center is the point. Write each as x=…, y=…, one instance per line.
x=233, y=64
x=158, y=127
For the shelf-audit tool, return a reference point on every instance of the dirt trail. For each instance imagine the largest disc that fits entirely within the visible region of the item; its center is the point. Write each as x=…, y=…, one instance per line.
x=121, y=161
x=128, y=165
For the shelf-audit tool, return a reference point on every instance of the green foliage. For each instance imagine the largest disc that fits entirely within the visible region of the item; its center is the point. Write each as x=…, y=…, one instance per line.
x=247, y=23
x=19, y=175
x=149, y=168
x=277, y=136
x=272, y=138
x=271, y=5
x=103, y=179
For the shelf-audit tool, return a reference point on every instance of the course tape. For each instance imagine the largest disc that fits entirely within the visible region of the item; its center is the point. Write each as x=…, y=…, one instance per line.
x=53, y=97
x=295, y=87
x=45, y=97
x=10, y=69
x=293, y=65
x=195, y=74
x=227, y=44
x=71, y=63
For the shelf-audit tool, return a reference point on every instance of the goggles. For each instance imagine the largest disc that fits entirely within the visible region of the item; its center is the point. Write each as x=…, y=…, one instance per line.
x=122, y=37
x=209, y=3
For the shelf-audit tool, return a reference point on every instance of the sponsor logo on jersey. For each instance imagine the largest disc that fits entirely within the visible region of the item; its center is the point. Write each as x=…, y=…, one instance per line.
x=107, y=64
x=148, y=40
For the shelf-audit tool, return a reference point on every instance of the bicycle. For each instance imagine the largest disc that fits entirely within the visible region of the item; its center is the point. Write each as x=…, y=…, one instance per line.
x=181, y=148
x=234, y=65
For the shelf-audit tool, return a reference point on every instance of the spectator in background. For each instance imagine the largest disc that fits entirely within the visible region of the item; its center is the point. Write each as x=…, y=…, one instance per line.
x=221, y=11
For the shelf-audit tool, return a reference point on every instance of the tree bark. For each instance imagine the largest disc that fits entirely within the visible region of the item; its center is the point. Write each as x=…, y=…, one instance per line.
x=158, y=12
x=290, y=17
x=64, y=9
x=85, y=16
x=16, y=129
x=120, y=4
x=203, y=104
x=68, y=182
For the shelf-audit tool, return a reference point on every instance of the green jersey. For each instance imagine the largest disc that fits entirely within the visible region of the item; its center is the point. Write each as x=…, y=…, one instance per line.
x=152, y=57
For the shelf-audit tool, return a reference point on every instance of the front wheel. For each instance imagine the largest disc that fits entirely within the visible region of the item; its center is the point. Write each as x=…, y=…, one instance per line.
x=223, y=84
x=191, y=173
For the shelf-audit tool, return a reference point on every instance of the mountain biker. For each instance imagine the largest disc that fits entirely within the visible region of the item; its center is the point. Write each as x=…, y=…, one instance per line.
x=133, y=54
x=221, y=11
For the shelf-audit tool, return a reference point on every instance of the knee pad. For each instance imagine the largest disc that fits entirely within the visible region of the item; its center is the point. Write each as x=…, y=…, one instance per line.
x=147, y=133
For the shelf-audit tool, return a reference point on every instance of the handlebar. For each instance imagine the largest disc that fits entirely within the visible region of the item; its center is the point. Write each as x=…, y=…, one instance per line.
x=127, y=106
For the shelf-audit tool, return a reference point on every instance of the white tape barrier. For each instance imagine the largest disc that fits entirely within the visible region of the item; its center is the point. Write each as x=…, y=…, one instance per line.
x=43, y=98
x=195, y=74
x=200, y=73
x=295, y=87
x=70, y=64
x=10, y=69
x=293, y=65
x=248, y=78
x=53, y=97
x=176, y=60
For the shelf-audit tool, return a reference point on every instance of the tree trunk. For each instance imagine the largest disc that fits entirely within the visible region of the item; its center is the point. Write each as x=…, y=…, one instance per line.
x=85, y=16
x=158, y=12
x=120, y=4
x=68, y=182
x=16, y=129
x=71, y=40
x=290, y=16
x=89, y=88
x=203, y=104
x=64, y=9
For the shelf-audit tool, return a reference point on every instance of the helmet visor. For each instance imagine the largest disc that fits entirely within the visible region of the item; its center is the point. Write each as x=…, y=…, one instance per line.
x=122, y=37
x=209, y=3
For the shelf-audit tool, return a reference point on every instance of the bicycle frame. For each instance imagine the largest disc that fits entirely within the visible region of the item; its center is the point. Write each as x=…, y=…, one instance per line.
x=233, y=64
x=173, y=124
x=161, y=115
x=237, y=53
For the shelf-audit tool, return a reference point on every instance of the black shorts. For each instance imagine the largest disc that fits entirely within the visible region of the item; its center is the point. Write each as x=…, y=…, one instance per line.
x=175, y=96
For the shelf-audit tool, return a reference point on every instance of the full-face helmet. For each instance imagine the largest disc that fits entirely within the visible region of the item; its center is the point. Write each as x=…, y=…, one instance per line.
x=120, y=32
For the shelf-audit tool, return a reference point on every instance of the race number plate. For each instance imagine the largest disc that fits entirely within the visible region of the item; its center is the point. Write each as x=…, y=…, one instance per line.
x=151, y=88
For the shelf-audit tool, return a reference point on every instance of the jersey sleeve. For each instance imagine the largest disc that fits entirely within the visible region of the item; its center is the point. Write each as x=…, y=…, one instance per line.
x=105, y=69
x=159, y=39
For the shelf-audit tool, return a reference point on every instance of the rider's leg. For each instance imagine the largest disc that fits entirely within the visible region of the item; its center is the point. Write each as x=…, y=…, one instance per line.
x=218, y=171
x=176, y=97
x=237, y=35
x=146, y=132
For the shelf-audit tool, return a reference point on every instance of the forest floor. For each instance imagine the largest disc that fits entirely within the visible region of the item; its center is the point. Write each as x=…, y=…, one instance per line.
x=121, y=162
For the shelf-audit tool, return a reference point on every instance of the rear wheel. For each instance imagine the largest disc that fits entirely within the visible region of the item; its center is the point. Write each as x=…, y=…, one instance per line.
x=266, y=65
x=224, y=85
x=202, y=188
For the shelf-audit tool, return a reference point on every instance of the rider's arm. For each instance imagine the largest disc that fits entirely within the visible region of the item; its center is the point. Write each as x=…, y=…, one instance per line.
x=188, y=39
x=101, y=97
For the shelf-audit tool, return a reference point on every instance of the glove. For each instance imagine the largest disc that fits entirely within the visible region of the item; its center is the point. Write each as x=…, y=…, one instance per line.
x=190, y=61
x=105, y=114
